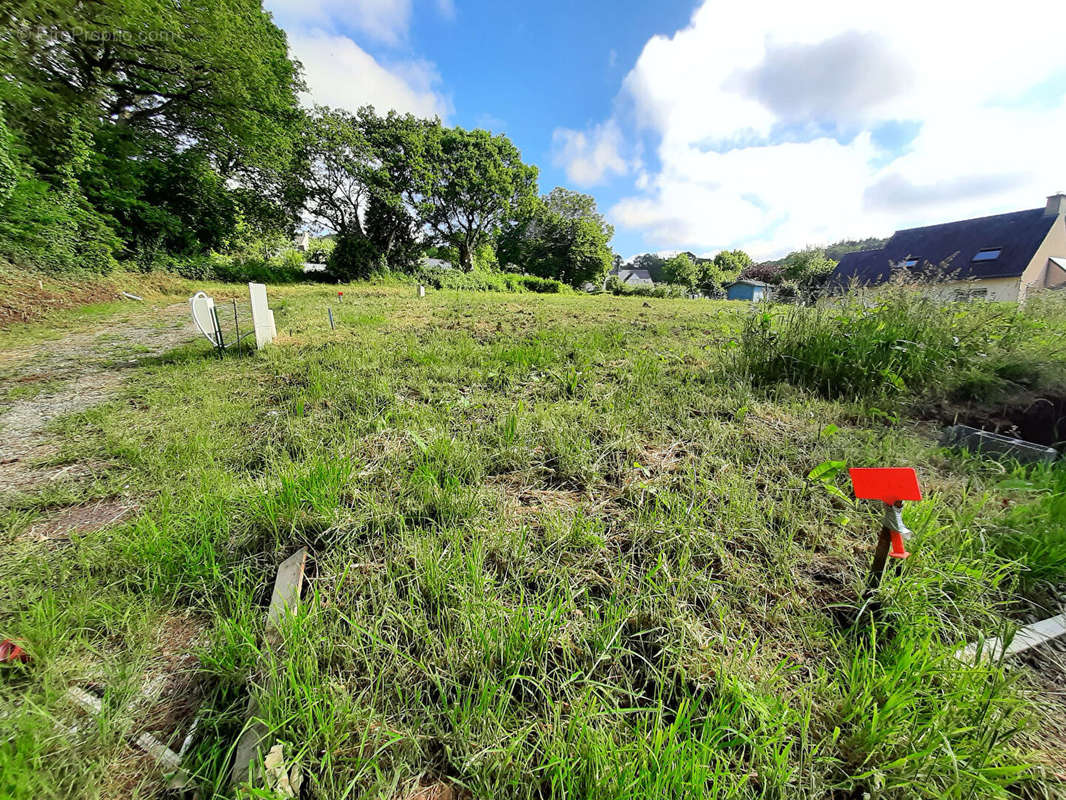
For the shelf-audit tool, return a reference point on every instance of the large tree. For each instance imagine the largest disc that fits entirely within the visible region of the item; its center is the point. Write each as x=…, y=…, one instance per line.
x=563, y=236
x=471, y=183
x=210, y=74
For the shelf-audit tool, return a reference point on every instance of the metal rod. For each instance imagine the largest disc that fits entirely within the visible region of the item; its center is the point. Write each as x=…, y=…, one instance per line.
x=218, y=332
x=332, y=327
x=236, y=325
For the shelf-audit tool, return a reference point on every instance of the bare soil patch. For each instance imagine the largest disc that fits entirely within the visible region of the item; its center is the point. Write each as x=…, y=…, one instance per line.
x=1035, y=418
x=60, y=524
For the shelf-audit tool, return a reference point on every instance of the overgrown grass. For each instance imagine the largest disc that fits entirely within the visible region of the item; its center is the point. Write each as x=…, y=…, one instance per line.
x=903, y=344
x=560, y=550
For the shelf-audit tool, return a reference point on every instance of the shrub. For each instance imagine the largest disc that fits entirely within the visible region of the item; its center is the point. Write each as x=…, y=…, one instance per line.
x=231, y=269
x=353, y=258
x=897, y=343
x=55, y=230
x=615, y=286
x=479, y=280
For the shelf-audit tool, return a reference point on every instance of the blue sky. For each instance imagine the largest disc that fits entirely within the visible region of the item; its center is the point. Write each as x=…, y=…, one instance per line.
x=706, y=125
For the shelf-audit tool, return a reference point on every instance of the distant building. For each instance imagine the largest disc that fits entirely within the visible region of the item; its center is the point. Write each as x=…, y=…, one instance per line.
x=746, y=289
x=1002, y=257
x=632, y=277
x=303, y=242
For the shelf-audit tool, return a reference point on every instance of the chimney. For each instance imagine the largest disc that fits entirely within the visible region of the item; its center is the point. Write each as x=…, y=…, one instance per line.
x=1056, y=205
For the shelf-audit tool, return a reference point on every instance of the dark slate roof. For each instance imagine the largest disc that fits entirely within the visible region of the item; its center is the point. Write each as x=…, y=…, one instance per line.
x=637, y=274
x=947, y=250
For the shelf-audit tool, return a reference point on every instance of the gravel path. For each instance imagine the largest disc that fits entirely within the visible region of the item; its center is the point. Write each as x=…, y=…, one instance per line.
x=79, y=370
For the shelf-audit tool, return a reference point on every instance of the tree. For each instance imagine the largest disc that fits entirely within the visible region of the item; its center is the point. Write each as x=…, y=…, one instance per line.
x=562, y=237
x=681, y=270
x=732, y=262
x=470, y=184
x=766, y=272
x=808, y=266
x=210, y=73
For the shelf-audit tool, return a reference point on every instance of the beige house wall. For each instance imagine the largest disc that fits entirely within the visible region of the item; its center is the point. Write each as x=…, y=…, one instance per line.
x=1000, y=289
x=1036, y=275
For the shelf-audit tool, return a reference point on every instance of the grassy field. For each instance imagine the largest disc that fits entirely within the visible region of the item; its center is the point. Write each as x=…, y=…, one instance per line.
x=563, y=546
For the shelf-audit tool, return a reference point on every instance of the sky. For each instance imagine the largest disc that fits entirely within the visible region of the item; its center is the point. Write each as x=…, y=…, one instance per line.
x=712, y=125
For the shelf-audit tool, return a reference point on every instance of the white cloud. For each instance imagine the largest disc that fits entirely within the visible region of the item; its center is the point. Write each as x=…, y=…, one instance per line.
x=589, y=156
x=340, y=73
x=384, y=21
x=749, y=105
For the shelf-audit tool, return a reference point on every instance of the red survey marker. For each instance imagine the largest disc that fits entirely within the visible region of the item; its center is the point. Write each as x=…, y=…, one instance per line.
x=887, y=484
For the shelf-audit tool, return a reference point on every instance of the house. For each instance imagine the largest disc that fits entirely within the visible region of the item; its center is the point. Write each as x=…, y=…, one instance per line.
x=632, y=277
x=746, y=289
x=1002, y=257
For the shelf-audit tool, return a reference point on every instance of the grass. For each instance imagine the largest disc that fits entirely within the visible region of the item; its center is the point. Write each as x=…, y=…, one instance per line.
x=561, y=549
x=903, y=346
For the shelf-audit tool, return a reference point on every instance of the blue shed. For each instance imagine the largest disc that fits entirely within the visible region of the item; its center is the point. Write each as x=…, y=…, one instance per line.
x=747, y=290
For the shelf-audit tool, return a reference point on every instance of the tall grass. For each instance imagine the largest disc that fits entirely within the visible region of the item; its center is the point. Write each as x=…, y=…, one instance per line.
x=901, y=343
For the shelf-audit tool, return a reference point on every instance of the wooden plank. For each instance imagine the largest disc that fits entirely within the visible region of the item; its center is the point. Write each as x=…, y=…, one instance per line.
x=287, y=587
x=284, y=598
x=1025, y=639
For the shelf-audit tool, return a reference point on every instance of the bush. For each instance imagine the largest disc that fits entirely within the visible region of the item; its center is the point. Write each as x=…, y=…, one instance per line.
x=55, y=230
x=229, y=269
x=479, y=280
x=903, y=344
x=615, y=286
x=353, y=258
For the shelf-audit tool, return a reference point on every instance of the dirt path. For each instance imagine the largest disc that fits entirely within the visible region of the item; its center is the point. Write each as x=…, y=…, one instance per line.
x=72, y=373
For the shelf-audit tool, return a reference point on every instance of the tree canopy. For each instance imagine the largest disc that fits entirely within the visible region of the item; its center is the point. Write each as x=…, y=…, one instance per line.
x=562, y=236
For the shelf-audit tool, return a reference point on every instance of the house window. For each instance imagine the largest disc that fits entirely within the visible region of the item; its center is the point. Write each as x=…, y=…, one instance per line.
x=909, y=262
x=966, y=295
x=988, y=254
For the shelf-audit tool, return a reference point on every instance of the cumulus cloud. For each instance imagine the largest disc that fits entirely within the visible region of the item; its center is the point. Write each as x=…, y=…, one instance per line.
x=843, y=77
x=589, y=156
x=340, y=73
x=764, y=118
x=384, y=21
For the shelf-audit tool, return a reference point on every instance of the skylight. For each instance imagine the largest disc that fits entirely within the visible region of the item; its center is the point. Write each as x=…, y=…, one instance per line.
x=987, y=254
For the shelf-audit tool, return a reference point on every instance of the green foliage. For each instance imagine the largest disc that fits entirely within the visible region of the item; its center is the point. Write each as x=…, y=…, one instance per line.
x=1033, y=528
x=899, y=344
x=809, y=269
x=485, y=280
x=319, y=249
x=471, y=184
x=52, y=229
x=563, y=237
x=615, y=286
x=732, y=262
x=681, y=270
x=9, y=169
x=353, y=257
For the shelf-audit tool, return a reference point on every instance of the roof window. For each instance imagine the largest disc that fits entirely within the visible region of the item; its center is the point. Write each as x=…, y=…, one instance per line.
x=988, y=254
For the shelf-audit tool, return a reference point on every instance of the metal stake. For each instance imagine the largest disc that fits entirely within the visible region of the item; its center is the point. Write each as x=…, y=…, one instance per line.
x=332, y=327
x=218, y=332
x=236, y=327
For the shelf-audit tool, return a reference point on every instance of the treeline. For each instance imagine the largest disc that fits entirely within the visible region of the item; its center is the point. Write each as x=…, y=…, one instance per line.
x=161, y=133
x=801, y=273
